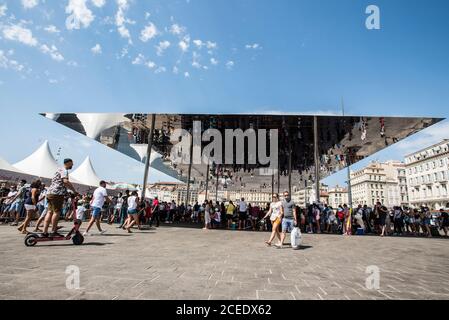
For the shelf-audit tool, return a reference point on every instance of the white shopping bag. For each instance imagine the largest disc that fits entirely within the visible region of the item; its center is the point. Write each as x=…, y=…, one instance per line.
x=295, y=238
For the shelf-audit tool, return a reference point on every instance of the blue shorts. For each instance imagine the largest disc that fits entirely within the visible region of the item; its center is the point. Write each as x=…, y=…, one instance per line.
x=16, y=206
x=132, y=211
x=287, y=224
x=96, y=212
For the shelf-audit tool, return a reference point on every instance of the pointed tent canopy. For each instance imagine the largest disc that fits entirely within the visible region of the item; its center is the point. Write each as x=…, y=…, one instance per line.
x=141, y=150
x=41, y=163
x=95, y=123
x=5, y=165
x=85, y=174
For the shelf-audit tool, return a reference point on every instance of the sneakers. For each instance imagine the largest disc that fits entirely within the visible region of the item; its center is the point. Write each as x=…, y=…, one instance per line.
x=102, y=231
x=86, y=234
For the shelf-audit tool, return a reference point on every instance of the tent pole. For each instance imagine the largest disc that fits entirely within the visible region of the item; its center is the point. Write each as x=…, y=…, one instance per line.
x=316, y=158
x=147, y=160
x=290, y=169
x=207, y=179
x=189, y=172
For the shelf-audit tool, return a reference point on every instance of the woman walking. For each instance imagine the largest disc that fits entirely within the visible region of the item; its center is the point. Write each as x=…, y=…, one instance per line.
x=31, y=200
x=275, y=213
x=207, y=214
x=133, y=215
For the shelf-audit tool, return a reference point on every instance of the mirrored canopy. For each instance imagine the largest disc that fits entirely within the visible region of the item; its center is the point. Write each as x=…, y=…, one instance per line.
x=342, y=141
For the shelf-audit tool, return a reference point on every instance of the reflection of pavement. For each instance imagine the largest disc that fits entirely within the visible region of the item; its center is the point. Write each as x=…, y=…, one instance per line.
x=182, y=263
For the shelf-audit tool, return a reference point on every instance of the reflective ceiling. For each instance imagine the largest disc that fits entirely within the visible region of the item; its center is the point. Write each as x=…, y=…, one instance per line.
x=341, y=141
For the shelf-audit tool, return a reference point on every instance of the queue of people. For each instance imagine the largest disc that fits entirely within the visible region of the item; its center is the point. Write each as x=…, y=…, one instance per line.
x=24, y=203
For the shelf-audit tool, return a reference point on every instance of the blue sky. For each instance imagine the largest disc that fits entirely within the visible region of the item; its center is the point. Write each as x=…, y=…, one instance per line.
x=213, y=57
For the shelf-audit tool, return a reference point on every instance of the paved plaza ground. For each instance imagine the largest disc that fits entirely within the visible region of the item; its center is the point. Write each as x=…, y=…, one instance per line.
x=187, y=263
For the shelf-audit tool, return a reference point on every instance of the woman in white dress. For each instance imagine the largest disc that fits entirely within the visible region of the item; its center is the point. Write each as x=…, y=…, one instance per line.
x=207, y=212
x=275, y=213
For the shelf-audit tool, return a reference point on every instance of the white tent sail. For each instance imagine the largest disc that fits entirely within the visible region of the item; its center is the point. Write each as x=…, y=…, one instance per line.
x=5, y=165
x=95, y=123
x=141, y=150
x=85, y=174
x=40, y=163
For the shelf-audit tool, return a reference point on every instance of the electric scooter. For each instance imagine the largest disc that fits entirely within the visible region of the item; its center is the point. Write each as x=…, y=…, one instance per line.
x=75, y=235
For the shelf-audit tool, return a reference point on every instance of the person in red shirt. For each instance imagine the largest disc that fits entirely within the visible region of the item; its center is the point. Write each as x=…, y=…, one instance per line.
x=155, y=212
x=148, y=212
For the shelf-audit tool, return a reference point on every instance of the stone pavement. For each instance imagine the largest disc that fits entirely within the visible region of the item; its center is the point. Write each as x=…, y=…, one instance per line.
x=184, y=263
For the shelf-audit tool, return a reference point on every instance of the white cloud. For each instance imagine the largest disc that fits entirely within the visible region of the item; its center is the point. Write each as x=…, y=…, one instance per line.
x=20, y=34
x=99, y=3
x=53, y=81
x=211, y=45
x=140, y=59
x=160, y=69
x=52, y=29
x=123, y=53
x=96, y=49
x=213, y=61
x=198, y=43
x=253, y=46
x=184, y=44
x=208, y=44
x=177, y=29
x=148, y=33
x=230, y=64
x=121, y=20
x=195, y=62
x=28, y=4
x=7, y=63
x=186, y=75
x=175, y=70
x=3, y=9
x=427, y=137
x=150, y=64
x=161, y=47
x=79, y=15
x=52, y=51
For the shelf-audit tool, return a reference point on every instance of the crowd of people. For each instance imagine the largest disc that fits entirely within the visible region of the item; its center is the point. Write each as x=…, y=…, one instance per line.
x=24, y=204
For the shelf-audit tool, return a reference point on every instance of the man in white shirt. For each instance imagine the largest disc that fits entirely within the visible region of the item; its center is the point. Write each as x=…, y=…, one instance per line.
x=243, y=215
x=99, y=198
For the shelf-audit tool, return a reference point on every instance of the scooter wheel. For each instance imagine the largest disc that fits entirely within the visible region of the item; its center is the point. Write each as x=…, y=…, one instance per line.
x=78, y=239
x=30, y=240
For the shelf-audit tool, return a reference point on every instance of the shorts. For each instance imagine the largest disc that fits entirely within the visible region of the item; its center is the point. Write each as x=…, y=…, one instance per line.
x=16, y=206
x=287, y=225
x=80, y=216
x=243, y=215
x=275, y=221
x=426, y=222
x=30, y=207
x=96, y=212
x=132, y=211
x=44, y=212
x=55, y=202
